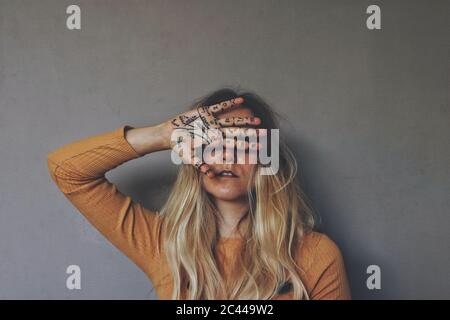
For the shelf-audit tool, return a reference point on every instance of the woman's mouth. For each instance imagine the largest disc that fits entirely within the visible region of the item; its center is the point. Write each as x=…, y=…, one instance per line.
x=227, y=174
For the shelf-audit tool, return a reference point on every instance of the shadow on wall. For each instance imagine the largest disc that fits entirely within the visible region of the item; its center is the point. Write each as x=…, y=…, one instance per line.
x=143, y=189
x=328, y=212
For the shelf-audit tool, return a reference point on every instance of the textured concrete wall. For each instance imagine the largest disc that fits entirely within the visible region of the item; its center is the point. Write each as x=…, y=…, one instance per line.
x=366, y=112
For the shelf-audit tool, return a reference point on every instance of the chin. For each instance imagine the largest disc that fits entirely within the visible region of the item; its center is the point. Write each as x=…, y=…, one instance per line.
x=228, y=197
x=226, y=189
x=226, y=194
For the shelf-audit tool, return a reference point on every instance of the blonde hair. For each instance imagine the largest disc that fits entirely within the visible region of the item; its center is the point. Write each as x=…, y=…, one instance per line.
x=279, y=216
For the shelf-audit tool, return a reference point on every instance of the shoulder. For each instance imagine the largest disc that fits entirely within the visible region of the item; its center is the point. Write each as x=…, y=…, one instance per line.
x=322, y=267
x=319, y=253
x=318, y=250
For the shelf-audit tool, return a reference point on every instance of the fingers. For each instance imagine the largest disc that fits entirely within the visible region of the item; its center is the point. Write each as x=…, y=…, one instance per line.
x=224, y=105
x=234, y=151
x=226, y=139
x=243, y=132
x=229, y=144
x=204, y=168
x=239, y=121
x=193, y=159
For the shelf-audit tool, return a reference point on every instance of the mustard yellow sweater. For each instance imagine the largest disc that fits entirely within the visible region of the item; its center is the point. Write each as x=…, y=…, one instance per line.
x=79, y=168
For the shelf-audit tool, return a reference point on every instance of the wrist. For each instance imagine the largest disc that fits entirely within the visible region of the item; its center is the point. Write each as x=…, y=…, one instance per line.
x=148, y=139
x=164, y=130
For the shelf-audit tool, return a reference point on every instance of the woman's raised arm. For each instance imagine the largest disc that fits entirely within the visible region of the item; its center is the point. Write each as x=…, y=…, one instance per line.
x=79, y=168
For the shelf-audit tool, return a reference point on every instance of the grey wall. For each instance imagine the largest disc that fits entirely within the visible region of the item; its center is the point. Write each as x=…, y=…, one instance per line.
x=368, y=118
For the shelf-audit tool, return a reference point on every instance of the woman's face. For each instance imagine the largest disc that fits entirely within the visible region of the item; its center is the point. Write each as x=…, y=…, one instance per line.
x=234, y=187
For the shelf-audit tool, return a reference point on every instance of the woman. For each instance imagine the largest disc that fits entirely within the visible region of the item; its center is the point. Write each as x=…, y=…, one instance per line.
x=226, y=231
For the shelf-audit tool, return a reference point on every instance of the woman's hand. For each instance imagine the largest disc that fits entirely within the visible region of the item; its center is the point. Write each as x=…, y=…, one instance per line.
x=183, y=128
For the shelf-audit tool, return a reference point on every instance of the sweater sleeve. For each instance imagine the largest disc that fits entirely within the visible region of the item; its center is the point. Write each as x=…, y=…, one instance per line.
x=328, y=272
x=79, y=168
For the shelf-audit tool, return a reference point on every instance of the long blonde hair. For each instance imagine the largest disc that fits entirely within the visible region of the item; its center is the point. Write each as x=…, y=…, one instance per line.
x=279, y=216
